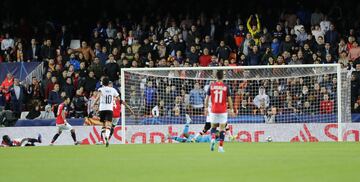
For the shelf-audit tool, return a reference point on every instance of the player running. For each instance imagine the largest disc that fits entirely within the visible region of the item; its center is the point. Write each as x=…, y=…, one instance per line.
x=8, y=142
x=219, y=94
x=207, y=125
x=117, y=112
x=106, y=95
x=62, y=123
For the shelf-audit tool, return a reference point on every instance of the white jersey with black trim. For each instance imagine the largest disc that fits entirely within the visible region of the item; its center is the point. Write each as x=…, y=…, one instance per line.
x=107, y=95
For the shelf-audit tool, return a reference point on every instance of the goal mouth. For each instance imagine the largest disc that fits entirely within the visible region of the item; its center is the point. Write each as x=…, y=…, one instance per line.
x=276, y=94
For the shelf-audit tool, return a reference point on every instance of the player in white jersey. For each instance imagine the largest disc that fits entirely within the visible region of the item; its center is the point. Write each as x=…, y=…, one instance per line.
x=106, y=95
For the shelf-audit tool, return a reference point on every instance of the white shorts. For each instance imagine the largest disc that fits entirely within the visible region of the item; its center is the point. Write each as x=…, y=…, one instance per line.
x=218, y=118
x=115, y=121
x=63, y=127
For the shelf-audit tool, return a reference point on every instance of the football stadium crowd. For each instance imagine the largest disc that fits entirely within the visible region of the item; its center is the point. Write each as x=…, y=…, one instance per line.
x=293, y=34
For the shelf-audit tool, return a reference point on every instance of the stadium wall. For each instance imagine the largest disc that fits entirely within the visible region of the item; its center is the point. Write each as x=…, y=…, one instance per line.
x=141, y=134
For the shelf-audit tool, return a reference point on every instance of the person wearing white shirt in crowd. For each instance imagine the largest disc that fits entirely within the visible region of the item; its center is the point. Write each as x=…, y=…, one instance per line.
x=7, y=43
x=317, y=32
x=262, y=97
x=173, y=30
x=325, y=25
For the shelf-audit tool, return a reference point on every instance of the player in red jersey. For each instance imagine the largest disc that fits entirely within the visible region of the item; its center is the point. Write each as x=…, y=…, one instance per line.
x=117, y=114
x=61, y=122
x=220, y=96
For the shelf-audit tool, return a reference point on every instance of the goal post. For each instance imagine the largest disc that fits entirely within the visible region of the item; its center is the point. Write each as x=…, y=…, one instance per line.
x=275, y=95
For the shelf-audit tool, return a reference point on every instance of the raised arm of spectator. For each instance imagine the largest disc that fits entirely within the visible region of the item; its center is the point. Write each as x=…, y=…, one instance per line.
x=258, y=23
x=248, y=24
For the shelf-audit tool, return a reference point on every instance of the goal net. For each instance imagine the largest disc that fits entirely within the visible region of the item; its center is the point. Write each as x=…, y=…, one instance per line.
x=263, y=96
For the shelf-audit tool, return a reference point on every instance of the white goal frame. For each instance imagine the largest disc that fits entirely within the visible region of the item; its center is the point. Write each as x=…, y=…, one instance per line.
x=336, y=66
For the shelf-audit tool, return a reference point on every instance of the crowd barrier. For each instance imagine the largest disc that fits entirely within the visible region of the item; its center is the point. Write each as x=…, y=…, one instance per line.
x=323, y=118
x=142, y=134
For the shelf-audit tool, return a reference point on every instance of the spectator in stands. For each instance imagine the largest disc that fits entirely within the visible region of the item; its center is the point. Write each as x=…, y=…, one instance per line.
x=33, y=90
x=17, y=93
x=244, y=108
x=79, y=104
x=178, y=108
x=254, y=29
x=262, y=97
x=197, y=98
x=354, y=51
x=48, y=113
x=34, y=112
x=90, y=83
x=205, y=59
x=326, y=105
x=355, y=108
x=254, y=56
x=86, y=51
x=7, y=45
x=150, y=97
x=47, y=50
x=68, y=88
x=5, y=85
x=223, y=51
x=33, y=52
x=96, y=67
x=112, y=69
x=54, y=96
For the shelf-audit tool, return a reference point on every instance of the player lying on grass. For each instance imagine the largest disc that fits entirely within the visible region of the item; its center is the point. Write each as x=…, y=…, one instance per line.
x=8, y=142
x=185, y=137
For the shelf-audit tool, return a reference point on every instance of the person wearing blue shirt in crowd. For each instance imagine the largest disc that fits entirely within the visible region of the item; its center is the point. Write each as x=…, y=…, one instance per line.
x=73, y=61
x=150, y=97
x=54, y=96
x=197, y=98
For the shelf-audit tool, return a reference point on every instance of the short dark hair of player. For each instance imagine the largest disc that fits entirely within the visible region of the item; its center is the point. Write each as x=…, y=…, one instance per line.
x=220, y=74
x=6, y=139
x=105, y=81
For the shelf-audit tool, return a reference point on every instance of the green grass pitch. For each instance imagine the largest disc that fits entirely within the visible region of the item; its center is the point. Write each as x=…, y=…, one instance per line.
x=263, y=162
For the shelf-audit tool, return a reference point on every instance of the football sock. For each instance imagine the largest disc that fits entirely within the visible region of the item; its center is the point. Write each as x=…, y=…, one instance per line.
x=112, y=131
x=222, y=137
x=213, y=133
x=55, y=137
x=107, y=133
x=73, y=135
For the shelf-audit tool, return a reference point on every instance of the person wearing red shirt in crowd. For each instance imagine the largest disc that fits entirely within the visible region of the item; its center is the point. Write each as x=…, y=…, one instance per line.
x=326, y=105
x=205, y=59
x=62, y=123
x=220, y=96
x=5, y=85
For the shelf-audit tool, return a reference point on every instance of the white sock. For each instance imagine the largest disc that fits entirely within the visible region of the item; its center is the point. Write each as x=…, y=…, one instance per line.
x=107, y=133
x=197, y=135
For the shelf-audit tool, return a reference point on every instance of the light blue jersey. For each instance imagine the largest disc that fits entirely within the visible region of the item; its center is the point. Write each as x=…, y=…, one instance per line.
x=200, y=139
